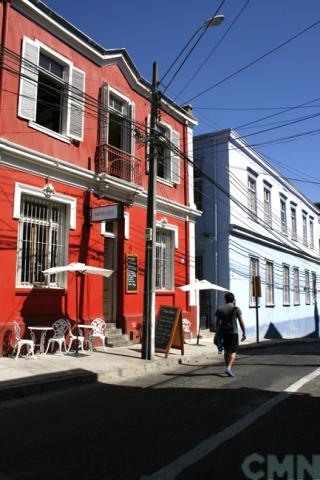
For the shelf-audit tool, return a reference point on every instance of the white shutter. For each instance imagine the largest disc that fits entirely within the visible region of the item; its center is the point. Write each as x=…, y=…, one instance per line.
x=27, y=107
x=175, y=156
x=76, y=104
x=104, y=114
x=147, y=141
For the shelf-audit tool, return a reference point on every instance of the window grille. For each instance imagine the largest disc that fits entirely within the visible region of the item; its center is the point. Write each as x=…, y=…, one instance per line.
x=164, y=259
x=286, y=285
x=41, y=241
x=296, y=286
x=269, y=284
x=307, y=287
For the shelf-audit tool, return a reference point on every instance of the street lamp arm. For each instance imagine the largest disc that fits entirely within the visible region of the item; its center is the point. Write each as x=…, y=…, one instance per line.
x=214, y=21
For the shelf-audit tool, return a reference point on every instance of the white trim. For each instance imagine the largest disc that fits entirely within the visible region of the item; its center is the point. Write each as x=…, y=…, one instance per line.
x=173, y=228
x=21, y=188
x=126, y=225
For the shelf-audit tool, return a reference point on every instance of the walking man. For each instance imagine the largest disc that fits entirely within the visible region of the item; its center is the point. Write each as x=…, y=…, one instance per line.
x=226, y=323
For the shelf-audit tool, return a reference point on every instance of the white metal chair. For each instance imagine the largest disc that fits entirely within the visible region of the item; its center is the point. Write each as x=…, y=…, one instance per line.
x=98, y=331
x=73, y=337
x=60, y=328
x=20, y=342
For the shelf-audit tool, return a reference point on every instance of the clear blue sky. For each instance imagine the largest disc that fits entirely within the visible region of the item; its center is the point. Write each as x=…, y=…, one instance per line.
x=153, y=31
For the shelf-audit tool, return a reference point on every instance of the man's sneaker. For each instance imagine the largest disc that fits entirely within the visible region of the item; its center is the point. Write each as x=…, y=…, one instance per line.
x=229, y=372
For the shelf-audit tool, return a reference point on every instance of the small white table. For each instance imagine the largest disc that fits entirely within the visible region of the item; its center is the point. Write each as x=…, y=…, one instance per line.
x=43, y=331
x=88, y=327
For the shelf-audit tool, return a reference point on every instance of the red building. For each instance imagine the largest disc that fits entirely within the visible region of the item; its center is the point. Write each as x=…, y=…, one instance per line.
x=73, y=136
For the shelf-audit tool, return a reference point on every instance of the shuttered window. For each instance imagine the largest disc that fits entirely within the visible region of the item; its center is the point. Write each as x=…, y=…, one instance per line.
x=51, y=91
x=42, y=241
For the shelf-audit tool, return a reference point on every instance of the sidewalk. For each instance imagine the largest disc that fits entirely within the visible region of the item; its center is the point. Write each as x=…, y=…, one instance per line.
x=26, y=376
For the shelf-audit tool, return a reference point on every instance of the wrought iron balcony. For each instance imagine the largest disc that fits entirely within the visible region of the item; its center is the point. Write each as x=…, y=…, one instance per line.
x=119, y=164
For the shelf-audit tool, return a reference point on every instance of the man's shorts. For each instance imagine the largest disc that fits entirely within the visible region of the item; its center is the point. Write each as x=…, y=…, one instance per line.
x=231, y=342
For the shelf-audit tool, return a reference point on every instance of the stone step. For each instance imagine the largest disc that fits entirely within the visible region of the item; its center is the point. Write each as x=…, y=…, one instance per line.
x=112, y=338
x=120, y=342
x=113, y=331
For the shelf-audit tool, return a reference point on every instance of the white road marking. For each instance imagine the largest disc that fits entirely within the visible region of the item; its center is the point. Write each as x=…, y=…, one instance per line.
x=170, y=471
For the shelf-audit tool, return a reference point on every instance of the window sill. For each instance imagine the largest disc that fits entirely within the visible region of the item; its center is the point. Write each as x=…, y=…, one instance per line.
x=165, y=292
x=51, y=133
x=40, y=290
x=270, y=305
x=165, y=182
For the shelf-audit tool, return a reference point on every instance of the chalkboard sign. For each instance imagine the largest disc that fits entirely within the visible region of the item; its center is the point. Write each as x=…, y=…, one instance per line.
x=131, y=274
x=169, y=333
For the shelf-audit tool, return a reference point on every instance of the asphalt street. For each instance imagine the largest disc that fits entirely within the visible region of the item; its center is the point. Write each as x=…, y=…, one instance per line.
x=190, y=423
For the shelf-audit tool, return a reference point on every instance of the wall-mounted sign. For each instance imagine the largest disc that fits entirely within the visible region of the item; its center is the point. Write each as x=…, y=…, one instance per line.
x=106, y=213
x=131, y=273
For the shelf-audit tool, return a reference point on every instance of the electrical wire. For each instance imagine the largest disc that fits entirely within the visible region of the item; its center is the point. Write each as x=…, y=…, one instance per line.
x=250, y=64
x=192, y=48
x=212, y=51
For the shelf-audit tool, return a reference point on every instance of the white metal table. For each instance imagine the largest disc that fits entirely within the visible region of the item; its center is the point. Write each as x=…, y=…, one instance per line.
x=88, y=327
x=43, y=330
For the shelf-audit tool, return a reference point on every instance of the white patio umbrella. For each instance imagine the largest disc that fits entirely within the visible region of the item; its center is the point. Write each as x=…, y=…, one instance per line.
x=196, y=286
x=79, y=269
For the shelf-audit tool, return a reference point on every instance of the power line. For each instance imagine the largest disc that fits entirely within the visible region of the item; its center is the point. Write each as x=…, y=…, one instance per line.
x=212, y=51
x=191, y=50
x=255, y=61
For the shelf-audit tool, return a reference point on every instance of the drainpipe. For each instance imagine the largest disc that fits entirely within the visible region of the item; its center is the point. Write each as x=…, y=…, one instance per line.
x=4, y=34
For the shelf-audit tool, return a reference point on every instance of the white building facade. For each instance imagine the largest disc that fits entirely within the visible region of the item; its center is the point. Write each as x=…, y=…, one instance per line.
x=255, y=223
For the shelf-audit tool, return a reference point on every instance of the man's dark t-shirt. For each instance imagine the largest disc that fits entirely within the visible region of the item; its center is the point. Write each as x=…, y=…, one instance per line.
x=228, y=315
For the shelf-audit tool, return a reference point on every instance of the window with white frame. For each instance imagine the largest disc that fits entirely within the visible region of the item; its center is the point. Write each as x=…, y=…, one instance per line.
x=314, y=287
x=296, y=286
x=118, y=122
x=283, y=215
x=307, y=287
x=286, y=284
x=252, y=194
x=42, y=242
x=267, y=205
x=168, y=153
x=304, y=228
x=254, y=271
x=269, y=284
x=293, y=213
x=51, y=91
x=311, y=232
x=164, y=259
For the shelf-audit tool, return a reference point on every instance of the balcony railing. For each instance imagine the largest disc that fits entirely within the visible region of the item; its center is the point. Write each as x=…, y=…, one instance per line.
x=119, y=164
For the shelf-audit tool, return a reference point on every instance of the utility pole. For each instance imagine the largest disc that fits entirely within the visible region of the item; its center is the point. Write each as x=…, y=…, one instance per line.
x=148, y=331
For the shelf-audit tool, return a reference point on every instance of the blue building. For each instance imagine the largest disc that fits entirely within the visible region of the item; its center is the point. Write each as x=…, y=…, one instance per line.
x=255, y=223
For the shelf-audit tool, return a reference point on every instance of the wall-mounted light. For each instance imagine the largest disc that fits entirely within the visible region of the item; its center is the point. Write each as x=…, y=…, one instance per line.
x=48, y=190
